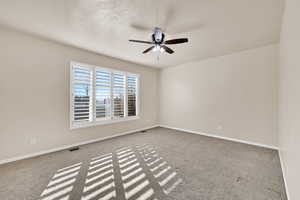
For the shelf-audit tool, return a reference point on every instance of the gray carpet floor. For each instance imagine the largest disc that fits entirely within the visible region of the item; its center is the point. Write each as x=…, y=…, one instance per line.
x=161, y=164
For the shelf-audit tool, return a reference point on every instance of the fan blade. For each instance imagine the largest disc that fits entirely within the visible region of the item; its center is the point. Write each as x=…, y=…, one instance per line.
x=176, y=41
x=149, y=49
x=140, y=41
x=167, y=49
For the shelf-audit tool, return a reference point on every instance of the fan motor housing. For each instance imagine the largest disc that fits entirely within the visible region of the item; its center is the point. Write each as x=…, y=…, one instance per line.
x=158, y=36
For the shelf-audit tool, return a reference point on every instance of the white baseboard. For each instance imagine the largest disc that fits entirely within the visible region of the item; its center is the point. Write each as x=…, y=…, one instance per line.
x=283, y=168
x=72, y=145
x=220, y=137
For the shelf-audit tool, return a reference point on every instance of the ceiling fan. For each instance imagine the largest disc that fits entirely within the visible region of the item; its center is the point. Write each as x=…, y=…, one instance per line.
x=158, y=42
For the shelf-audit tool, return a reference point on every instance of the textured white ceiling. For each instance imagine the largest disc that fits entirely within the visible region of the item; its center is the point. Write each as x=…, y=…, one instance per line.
x=214, y=27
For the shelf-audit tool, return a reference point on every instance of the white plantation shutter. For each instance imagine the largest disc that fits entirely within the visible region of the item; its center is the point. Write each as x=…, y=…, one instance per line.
x=103, y=94
x=82, y=82
x=118, y=93
x=131, y=95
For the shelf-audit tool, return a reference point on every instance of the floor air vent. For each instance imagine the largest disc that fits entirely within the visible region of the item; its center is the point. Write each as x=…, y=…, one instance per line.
x=74, y=149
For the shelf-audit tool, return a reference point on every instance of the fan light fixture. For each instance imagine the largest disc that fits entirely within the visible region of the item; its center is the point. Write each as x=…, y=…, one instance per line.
x=158, y=48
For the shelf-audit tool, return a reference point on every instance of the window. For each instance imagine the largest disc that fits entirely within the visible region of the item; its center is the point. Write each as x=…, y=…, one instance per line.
x=101, y=96
x=118, y=95
x=131, y=95
x=82, y=88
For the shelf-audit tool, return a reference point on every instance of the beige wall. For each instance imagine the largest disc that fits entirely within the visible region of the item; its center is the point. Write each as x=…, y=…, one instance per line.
x=289, y=97
x=34, y=91
x=230, y=96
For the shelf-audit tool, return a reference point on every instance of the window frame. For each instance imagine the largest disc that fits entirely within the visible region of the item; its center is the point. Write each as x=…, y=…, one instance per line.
x=95, y=122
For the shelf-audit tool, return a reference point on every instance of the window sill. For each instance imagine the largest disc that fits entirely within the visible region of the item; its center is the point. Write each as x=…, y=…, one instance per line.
x=104, y=122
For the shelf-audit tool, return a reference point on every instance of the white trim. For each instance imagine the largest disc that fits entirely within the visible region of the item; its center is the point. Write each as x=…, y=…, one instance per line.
x=221, y=137
x=71, y=114
x=283, y=168
x=103, y=122
x=103, y=68
x=72, y=145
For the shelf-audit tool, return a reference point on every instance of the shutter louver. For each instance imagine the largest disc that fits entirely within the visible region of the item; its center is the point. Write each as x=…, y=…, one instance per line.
x=118, y=95
x=82, y=93
x=102, y=94
x=131, y=95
